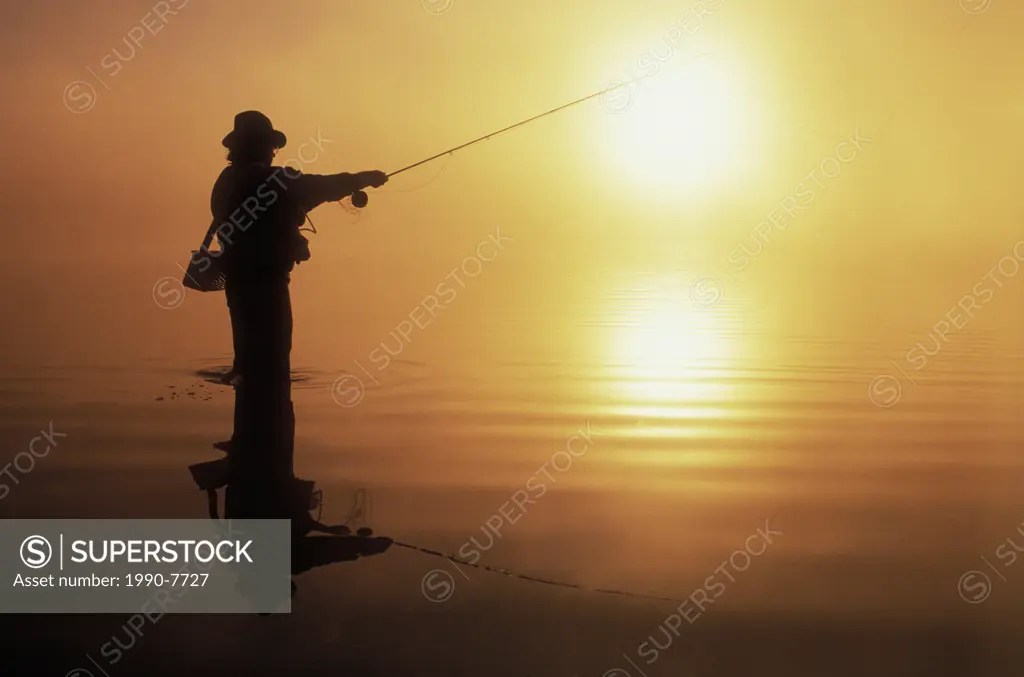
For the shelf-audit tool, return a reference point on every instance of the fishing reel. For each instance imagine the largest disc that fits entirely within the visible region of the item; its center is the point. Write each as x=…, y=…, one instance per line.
x=360, y=199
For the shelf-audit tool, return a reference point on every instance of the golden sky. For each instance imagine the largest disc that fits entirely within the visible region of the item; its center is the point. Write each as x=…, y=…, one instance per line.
x=890, y=131
x=707, y=149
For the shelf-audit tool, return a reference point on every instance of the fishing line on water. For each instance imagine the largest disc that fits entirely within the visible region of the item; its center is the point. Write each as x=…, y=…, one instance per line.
x=534, y=579
x=361, y=197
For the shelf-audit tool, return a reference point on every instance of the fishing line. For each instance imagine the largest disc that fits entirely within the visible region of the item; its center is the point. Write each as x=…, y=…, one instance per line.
x=524, y=122
x=360, y=199
x=312, y=227
x=358, y=212
x=535, y=579
x=425, y=183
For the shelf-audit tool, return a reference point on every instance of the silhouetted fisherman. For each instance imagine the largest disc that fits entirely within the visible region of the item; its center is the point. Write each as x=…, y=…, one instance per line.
x=260, y=209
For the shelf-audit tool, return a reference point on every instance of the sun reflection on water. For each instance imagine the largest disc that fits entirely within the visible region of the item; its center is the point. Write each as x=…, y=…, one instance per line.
x=671, y=356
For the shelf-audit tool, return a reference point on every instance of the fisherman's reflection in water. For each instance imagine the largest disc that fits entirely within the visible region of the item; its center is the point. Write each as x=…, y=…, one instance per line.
x=260, y=209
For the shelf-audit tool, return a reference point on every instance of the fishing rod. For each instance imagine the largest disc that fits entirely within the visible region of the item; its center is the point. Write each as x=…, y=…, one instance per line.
x=360, y=199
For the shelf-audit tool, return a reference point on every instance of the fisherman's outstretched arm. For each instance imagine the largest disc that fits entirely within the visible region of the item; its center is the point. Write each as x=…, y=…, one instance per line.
x=315, y=189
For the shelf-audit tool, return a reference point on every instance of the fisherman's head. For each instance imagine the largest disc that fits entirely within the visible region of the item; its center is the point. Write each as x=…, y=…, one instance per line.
x=253, y=139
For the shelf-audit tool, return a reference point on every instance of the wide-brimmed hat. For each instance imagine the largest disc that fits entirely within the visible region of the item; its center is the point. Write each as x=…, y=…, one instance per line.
x=252, y=126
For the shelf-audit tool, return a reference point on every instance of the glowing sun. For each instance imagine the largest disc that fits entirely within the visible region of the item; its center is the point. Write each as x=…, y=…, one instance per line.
x=685, y=125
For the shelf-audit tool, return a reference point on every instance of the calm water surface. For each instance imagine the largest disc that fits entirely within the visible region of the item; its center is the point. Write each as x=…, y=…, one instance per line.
x=708, y=419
